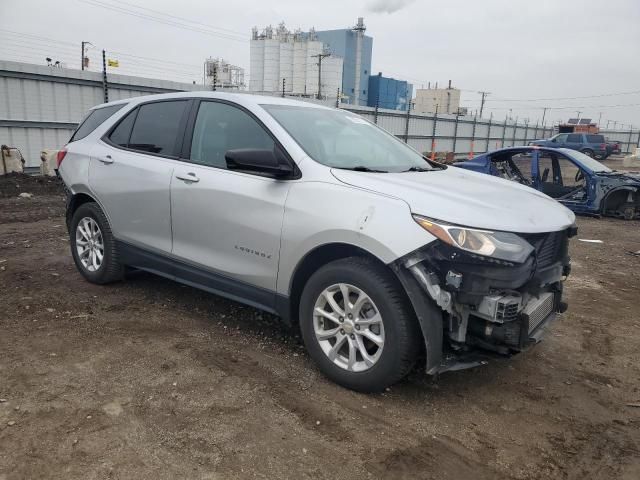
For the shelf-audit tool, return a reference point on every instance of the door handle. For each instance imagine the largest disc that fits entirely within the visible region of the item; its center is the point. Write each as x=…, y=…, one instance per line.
x=188, y=177
x=106, y=159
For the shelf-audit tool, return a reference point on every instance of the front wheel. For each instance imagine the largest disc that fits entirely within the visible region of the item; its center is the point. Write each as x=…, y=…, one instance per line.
x=357, y=324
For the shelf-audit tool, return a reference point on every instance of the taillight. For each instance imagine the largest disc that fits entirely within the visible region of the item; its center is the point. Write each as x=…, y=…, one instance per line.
x=603, y=146
x=60, y=156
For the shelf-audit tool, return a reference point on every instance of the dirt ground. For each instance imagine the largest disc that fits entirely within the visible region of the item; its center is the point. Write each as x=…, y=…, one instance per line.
x=148, y=379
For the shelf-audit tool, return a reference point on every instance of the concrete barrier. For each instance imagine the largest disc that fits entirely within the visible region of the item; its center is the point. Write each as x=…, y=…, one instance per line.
x=11, y=161
x=49, y=163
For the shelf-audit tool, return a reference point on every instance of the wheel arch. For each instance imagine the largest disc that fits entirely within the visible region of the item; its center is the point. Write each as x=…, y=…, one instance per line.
x=619, y=191
x=74, y=202
x=313, y=260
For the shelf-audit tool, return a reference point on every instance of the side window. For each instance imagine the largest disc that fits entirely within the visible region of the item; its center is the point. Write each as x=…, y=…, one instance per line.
x=120, y=135
x=220, y=127
x=595, y=138
x=561, y=138
x=574, y=138
x=93, y=120
x=157, y=127
x=569, y=172
x=545, y=167
x=523, y=163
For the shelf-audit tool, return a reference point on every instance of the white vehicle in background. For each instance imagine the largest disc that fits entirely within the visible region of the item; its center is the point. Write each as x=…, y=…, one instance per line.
x=322, y=218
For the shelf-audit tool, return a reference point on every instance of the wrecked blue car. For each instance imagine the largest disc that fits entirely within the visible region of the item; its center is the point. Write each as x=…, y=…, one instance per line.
x=576, y=180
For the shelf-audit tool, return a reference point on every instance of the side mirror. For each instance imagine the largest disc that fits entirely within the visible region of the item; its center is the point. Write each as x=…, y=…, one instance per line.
x=271, y=162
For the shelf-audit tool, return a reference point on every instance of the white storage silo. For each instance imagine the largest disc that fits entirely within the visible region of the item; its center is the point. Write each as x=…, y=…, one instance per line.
x=331, y=75
x=314, y=48
x=299, y=66
x=286, y=66
x=271, y=76
x=256, y=54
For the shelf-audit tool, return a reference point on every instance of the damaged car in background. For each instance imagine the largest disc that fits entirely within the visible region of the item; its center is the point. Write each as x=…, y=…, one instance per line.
x=316, y=215
x=578, y=181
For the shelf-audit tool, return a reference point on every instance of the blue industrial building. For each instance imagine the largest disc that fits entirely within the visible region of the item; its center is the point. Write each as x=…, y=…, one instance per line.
x=355, y=48
x=389, y=93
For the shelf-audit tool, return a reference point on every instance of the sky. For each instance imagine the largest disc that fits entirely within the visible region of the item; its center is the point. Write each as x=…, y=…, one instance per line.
x=528, y=54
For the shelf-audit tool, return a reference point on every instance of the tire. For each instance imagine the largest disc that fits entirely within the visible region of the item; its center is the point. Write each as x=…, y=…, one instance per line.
x=107, y=270
x=588, y=152
x=398, y=327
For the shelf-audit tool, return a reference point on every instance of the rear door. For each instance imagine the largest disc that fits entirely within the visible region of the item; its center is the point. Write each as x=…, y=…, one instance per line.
x=226, y=222
x=130, y=173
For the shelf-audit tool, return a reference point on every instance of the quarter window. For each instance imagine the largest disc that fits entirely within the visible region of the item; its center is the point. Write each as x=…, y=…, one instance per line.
x=220, y=127
x=157, y=127
x=93, y=120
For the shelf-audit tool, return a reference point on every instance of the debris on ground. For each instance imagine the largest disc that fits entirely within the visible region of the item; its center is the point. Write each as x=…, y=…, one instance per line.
x=14, y=184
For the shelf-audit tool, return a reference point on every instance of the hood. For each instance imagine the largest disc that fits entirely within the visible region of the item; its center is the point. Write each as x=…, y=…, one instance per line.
x=626, y=177
x=467, y=198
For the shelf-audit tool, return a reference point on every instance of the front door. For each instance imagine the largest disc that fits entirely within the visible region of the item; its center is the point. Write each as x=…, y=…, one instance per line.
x=226, y=222
x=560, y=178
x=130, y=173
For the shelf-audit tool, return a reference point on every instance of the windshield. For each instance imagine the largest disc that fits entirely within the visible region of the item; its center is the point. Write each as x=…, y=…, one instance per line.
x=341, y=139
x=586, y=161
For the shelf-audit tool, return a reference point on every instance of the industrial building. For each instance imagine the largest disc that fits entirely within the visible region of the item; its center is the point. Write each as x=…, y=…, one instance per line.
x=355, y=48
x=293, y=62
x=386, y=92
x=221, y=74
x=441, y=100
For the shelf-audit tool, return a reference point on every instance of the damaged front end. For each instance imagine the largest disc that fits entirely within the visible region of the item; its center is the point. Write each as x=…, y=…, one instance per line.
x=475, y=301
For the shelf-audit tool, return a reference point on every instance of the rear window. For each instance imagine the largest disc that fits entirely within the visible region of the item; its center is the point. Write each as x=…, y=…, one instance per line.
x=595, y=138
x=93, y=120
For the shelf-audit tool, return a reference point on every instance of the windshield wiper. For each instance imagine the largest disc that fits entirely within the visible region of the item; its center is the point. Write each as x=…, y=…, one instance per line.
x=417, y=169
x=362, y=168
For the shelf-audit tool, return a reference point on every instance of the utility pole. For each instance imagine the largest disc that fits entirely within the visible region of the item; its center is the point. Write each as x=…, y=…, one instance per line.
x=544, y=113
x=82, y=54
x=320, y=56
x=484, y=96
x=215, y=75
x=599, y=118
x=105, y=85
x=284, y=81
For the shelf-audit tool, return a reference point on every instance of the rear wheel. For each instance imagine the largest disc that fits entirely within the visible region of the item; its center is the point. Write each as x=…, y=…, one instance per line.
x=357, y=324
x=588, y=152
x=93, y=247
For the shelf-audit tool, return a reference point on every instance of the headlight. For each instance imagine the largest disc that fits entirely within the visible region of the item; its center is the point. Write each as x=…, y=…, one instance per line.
x=501, y=245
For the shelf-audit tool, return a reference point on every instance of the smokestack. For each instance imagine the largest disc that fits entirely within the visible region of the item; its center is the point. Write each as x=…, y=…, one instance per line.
x=436, y=85
x=449, y=85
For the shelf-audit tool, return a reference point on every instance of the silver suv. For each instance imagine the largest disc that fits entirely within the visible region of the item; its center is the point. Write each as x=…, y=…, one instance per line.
x=314, y=214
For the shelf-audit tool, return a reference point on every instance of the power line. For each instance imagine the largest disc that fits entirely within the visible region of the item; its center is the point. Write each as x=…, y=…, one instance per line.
x=634, y=92
x=568, y=107
x=243, y=34
x=97, y=3
x=36, y=37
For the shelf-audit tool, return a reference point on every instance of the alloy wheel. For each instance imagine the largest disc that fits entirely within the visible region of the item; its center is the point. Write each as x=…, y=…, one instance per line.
x=89, y=244
x=348, y=327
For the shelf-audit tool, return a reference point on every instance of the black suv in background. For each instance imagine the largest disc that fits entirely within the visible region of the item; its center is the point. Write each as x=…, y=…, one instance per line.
x=591, y=144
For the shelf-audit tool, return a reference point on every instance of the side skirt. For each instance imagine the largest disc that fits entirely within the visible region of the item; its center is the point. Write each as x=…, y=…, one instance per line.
x=204, y=279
